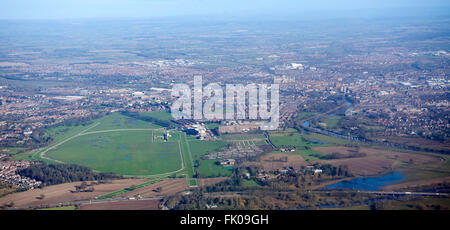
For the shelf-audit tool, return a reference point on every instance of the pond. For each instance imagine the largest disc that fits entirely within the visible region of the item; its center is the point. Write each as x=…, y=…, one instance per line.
x=347, y=102
x=369, y=183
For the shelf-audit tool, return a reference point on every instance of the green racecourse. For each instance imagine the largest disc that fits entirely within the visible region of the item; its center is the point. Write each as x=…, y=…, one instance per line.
x=123, y=145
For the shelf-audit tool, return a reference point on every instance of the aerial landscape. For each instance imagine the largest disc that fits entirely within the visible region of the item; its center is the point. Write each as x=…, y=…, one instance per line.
x=88, y=109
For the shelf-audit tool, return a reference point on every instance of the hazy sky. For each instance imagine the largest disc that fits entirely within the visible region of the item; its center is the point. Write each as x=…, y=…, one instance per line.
x=69, y=9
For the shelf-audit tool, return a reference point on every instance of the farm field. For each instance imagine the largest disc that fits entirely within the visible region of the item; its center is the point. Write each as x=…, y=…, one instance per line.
x=61, y=193
x=376, y=161
x=208, y=168
x=288, y=139
x=273, y=161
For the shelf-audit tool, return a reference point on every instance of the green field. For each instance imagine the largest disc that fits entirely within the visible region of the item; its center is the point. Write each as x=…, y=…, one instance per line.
x=200, y=148
x=303, y=143
x=327, y=140
x=118, y=121
x=304, y=115
x=333, y=121
x=288, y=139
x=209, y=168
x=162, y=115
x=121, y=152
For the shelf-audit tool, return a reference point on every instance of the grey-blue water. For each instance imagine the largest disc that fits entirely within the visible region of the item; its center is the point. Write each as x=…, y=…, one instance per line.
x=306, y=124
x=347, y=102
x=369, y=183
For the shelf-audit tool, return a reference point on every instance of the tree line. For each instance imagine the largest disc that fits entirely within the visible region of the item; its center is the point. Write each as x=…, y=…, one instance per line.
x=51, y=174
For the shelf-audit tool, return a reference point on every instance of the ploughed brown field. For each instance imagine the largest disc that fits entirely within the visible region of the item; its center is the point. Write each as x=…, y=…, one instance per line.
x=273, y=161
x=61, y=193
x=124, y=205
x=168, y=187
x=375, y=161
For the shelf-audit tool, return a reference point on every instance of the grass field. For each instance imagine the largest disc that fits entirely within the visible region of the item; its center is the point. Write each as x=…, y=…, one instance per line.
x=121, y=152
x=332, y=121
x=288, y=139
x=304, y=143
x=118, y=121
x=304, y=115
x=163, y=115
x=209, y=168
